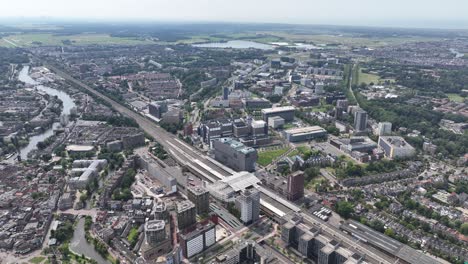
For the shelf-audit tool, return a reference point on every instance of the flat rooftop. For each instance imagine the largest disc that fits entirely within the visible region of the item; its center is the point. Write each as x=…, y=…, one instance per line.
x=278, y=109
x=305, y=130
x=155, y=225
x=184, y=205
x=396, y=141
x=238, y=146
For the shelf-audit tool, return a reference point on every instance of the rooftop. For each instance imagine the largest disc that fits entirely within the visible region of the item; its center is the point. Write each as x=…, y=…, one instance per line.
x=305, y=130
x=278, y=109
x=154, y=225
x=239, y=147
x=396, y=141
x=184, y=205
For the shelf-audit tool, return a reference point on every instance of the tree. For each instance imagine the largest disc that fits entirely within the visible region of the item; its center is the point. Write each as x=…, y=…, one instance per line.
x=344, y=208
x=464, y=229
x=389, y=232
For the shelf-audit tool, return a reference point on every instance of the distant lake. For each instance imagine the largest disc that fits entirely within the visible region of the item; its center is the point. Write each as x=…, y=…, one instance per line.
x=235, y=44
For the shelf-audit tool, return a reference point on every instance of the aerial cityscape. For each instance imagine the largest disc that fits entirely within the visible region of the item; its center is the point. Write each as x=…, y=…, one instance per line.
x=221, y=141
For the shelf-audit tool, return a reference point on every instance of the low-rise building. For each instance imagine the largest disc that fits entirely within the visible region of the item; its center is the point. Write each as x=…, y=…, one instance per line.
x=304, y=133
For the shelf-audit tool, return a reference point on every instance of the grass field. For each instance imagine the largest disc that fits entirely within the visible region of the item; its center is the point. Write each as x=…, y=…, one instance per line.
x=300, y=150
x=455, y=98
x=266, y=157
x=37, y=260
x=27, y=40
x=345, y=39
x=4, y=43
x=368, y=78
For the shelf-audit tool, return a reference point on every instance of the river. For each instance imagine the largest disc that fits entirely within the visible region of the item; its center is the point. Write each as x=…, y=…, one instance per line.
x=79, y=245
x=236, y=44
x=68, y=105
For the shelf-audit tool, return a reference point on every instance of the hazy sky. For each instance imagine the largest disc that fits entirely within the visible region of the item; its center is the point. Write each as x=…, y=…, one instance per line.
x=421, y=13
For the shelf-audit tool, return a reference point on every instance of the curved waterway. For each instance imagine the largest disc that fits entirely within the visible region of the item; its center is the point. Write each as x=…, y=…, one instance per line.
x=79, y=245
x=68, y=105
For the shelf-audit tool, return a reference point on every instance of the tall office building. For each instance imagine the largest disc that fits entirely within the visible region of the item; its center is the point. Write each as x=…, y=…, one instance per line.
x=225, y=93
x=295, y=186
x=198, y=239
x=186, y=214
x=160, y=211
x=200, y=197
x=248, y=203
x=360, y=120
x=341, y=106
x=155, y=231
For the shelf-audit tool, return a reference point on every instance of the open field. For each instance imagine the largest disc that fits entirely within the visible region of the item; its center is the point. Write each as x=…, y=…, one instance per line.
x=347, y=40
x=27, y=40
x=4, y=43
x=368, y=78
x=266, y=157
x=455, y=98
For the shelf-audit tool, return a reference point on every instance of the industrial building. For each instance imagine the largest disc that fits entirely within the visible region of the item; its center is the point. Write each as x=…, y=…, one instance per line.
x=186, y=214
x=286, y=112
x=304, y=133
x=248, y=203
x=200, y=197
x=396, y=147
x=235, y=155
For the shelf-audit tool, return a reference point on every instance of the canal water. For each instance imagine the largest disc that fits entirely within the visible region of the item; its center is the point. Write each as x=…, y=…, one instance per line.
x=79, y=245
x=68, y=105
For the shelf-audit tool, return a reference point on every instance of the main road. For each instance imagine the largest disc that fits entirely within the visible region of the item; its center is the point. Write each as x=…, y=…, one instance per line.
x=194, y=159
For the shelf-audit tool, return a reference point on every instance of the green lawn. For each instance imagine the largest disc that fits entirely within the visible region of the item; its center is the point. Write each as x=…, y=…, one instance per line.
x=34, y=39
x=455, y=98
x=37, y=260
x=368, y=78
x=314, y=182
x=288, y=126
x=266, y=157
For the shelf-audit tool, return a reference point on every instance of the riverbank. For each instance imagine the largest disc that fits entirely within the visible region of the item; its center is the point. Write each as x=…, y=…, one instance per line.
x=67, y=106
